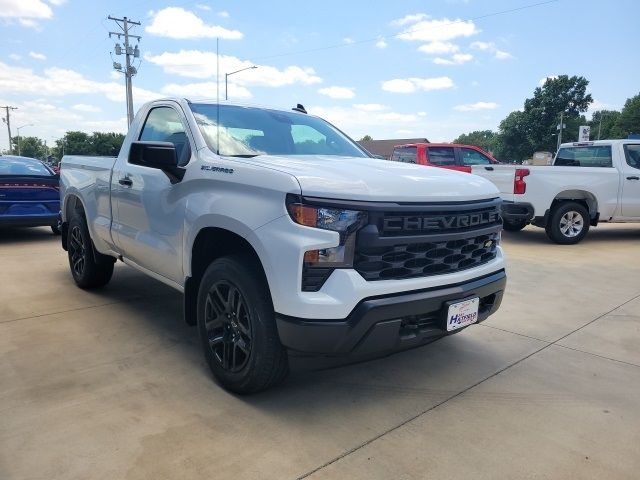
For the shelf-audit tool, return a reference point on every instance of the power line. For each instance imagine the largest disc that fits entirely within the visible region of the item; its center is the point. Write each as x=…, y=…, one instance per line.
x=129, y=70
x=7, y=120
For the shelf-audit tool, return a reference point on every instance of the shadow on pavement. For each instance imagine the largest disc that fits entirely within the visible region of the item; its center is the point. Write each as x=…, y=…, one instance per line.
x=22, y=235
x=601, y=233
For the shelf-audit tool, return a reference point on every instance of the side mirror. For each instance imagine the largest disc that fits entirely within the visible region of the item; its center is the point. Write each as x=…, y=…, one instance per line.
x=160, y=155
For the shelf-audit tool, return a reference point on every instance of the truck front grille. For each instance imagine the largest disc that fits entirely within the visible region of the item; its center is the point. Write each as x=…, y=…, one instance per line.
x=443, y=239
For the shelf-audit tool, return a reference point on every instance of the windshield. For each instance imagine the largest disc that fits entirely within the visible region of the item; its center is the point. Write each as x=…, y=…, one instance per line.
x=250, y=131
x=16, y=166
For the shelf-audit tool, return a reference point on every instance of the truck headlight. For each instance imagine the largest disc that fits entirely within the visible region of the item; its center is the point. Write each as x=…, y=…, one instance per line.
x=318, y=264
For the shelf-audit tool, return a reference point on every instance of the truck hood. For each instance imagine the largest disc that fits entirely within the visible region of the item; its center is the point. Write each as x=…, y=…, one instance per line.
x=355, y=178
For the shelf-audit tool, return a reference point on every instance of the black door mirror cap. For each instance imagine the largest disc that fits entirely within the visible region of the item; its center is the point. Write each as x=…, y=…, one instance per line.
x=160, y=155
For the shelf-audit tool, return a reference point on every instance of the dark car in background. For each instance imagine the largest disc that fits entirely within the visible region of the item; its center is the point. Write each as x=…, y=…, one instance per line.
x=29, y=193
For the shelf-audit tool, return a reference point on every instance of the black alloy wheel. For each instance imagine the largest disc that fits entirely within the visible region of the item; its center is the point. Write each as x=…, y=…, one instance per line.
x=77, y=250
x=228, y=326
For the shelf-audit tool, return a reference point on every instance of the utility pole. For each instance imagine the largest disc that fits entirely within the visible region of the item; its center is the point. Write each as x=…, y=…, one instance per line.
x=129, y=70
x=7, y=120
x=560, y=128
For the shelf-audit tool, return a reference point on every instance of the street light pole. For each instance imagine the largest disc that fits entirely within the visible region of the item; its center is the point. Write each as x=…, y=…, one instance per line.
x=18, y=129
x=226, y=79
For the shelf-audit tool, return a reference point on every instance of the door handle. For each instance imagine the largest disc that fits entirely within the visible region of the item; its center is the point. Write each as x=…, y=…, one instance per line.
x=489, y=168
x=633, y=177
x=126, y=181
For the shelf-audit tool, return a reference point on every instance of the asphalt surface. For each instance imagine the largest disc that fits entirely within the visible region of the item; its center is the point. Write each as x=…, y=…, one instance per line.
x=112, y=384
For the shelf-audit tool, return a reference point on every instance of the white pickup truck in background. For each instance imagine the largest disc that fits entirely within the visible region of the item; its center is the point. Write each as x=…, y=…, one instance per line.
x=588, y=183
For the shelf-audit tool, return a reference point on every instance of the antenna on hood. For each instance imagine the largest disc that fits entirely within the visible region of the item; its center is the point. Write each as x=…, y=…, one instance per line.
x=299, y=108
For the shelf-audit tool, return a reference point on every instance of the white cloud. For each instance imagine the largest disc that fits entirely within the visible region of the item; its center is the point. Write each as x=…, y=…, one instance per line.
x=59, y=82
x=422, y=114
x=439, y=48
x=348, y=40
x=425, y=29
x=223, y=14
x=15, y=56
x=412, y=18
x=25, y=10
x=359, y=122
x=113, y=75
x=482, y=46
x=202, y=6
x=370, y=107
x=57, y=2
x=474, y=107
x=201, y=64
x=457, y=59
x=206, y=90
x=178, y=23
x=381, y=43
x=339, y=93
x=83, y=107
x=410, y=85
x=502, y=55
x=37, y=56
x=491, y=47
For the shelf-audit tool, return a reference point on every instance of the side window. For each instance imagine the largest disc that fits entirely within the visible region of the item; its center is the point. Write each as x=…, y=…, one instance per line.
x=632, y=153
x=473, y=157
x=590, y=156
x=163, y=124
x=405, y=155
x=441, y=156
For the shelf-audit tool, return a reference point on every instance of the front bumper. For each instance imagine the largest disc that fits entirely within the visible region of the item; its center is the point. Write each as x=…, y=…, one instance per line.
x=517, y=211
x=385, y=324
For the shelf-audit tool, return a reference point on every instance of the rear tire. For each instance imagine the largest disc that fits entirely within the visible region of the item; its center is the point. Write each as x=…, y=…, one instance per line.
x=514, y=225
x=237, y=327
x=568, y=223
x=86, y=271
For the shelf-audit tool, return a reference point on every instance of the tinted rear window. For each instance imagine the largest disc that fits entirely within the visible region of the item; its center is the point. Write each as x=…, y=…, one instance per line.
x=405, y=155
x=22, y=166
x=442, y=156
x=587, y=156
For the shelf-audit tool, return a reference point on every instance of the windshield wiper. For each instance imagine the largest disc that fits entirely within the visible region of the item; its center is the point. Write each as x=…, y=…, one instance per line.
x=244, y=155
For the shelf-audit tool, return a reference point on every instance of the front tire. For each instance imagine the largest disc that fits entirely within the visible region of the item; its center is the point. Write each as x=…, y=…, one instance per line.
x=568, y=223
x=86, y=271
x=237, y=328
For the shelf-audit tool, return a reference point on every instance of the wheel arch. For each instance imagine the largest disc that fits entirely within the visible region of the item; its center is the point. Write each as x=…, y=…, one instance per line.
x=209, y=244
x=583, y=197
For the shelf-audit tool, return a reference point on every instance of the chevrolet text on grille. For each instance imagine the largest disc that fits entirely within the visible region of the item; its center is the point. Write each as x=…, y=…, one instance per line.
x=439, y=222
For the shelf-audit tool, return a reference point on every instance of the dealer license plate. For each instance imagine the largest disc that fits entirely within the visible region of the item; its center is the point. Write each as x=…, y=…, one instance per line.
x=461, y=314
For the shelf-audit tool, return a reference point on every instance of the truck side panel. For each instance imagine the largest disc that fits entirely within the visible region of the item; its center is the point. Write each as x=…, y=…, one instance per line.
x=89, y=179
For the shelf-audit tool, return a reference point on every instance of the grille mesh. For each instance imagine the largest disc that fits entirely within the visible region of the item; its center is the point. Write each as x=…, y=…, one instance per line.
x=406, y=260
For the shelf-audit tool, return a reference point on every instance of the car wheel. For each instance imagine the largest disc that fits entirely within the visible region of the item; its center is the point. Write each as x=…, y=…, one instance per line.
x=237, y=328
x=568, y=223
x=87, y=271
x=514, y=225
x=56, y=228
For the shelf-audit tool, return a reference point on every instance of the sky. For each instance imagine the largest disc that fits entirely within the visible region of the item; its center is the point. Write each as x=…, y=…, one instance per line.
x=401, y=69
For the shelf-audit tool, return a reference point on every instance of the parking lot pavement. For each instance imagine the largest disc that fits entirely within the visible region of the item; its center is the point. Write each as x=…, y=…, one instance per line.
x=112, y=384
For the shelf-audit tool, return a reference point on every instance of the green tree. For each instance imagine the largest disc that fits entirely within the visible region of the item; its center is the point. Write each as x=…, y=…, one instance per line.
x=629, y=120
x=106, y=144
x=366, y=138
x=561, y=95
x=512, y=142
x=29, y=147
x=484, y=139
x=608, y=127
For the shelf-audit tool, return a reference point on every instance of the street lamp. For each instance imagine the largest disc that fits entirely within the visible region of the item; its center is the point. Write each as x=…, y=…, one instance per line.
x=27, y=125
x=227, y=75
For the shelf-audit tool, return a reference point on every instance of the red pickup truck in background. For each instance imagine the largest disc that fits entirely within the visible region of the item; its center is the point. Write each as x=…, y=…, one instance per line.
x=445, y=155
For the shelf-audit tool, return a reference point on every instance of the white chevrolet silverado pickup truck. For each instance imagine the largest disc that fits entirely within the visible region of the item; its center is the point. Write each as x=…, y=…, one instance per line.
x=287, y=239
x=588, y=183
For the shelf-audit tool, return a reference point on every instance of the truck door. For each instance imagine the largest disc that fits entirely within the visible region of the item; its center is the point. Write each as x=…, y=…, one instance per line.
x=148, y=218
x=630, y=168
